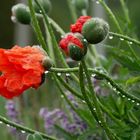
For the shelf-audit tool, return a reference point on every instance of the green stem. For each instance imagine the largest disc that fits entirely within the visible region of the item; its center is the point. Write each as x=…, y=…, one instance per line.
x=75, y=93
x=114, y=19
x=112, y=16
x=23, y=128
x=37, y=27
x=68, y=101
x=118, y=88
x=84, y=93
x=56, y=26
x=55, y=45
x=109, y=113
x=125, y=38
x=54, y=42
x=125, y=10
x=72, y=10
x=96, y=104
x=84, y=12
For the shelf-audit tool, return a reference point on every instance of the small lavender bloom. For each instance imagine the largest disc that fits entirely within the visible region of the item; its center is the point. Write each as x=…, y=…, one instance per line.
x=13, y=114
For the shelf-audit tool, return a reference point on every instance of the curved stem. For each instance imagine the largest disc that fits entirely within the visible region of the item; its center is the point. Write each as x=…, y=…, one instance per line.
x=84, y=93
x=54, y=42
x=72, y=10
x=125, y=38
x=69, y=88
x=23, y=128
x=37, y=27
x=125, y=10
x=111, y=15
x=114, y=19
x=56, y=26
x=96, y=104
x=68, y=101
x=118, y=88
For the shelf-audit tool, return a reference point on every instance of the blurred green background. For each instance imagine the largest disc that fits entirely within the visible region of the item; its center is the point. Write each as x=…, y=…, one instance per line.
x=12, y=34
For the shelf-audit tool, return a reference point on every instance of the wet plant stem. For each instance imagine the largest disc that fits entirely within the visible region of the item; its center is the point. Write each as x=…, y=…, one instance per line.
x=118, y=88
x=37, y=27
x=23, y=128
x=98, y=111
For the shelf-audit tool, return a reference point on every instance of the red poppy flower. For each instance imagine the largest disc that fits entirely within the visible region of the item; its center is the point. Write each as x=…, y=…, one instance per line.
x=21, y=68
x=77, y=27
x=70, y=39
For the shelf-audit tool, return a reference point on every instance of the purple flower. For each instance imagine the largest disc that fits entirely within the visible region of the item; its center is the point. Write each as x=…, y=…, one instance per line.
x=13, y=115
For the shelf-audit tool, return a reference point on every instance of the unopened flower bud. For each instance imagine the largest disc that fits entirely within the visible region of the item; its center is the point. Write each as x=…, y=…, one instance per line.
x=20, y=13
x=74, y=45
x=95, y=30
x=46, y=4
x=47, y=63
x=81, y=4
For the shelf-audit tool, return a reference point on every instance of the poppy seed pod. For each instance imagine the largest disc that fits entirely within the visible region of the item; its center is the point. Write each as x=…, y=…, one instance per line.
x=47, y=63
x=95, y=30
x=20, y=13
x=74, y=45
x=81, y=4
x=46, y=4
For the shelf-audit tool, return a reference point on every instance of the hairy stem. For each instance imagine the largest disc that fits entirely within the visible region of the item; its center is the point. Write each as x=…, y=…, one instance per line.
x=23, y=128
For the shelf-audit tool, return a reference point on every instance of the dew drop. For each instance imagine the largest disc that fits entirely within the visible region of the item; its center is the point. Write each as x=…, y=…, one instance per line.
x=59, y=74
x=62, y=36
x=83, y=101
x=110, y=37
x=93, y=75
x=62, y=96
x=123, y=96
x=67, y=74
x=8, y=125
x=46, y=72
x=128, y=99
x=97, y=2
x=118, y=92
x=114, y=89
x=100, y=122
x=1, y=122
x=22, y=131
x=138, y=104
x=130, y=43
x=40, y=11
x=94, y=109
x=133, y=101
x=121, y=39
x=13, y=18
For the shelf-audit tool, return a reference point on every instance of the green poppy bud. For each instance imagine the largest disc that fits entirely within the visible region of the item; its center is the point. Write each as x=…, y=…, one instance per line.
x=46, y=4
x=81, y=4
x=47, y=63
x=20, y=13
x=95, y=30
x=77, y=53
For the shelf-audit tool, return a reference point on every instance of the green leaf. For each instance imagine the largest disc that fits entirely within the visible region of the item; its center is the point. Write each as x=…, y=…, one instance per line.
x=30, y=137
x=133, y=80
x=37, y=136
x=125, y=59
